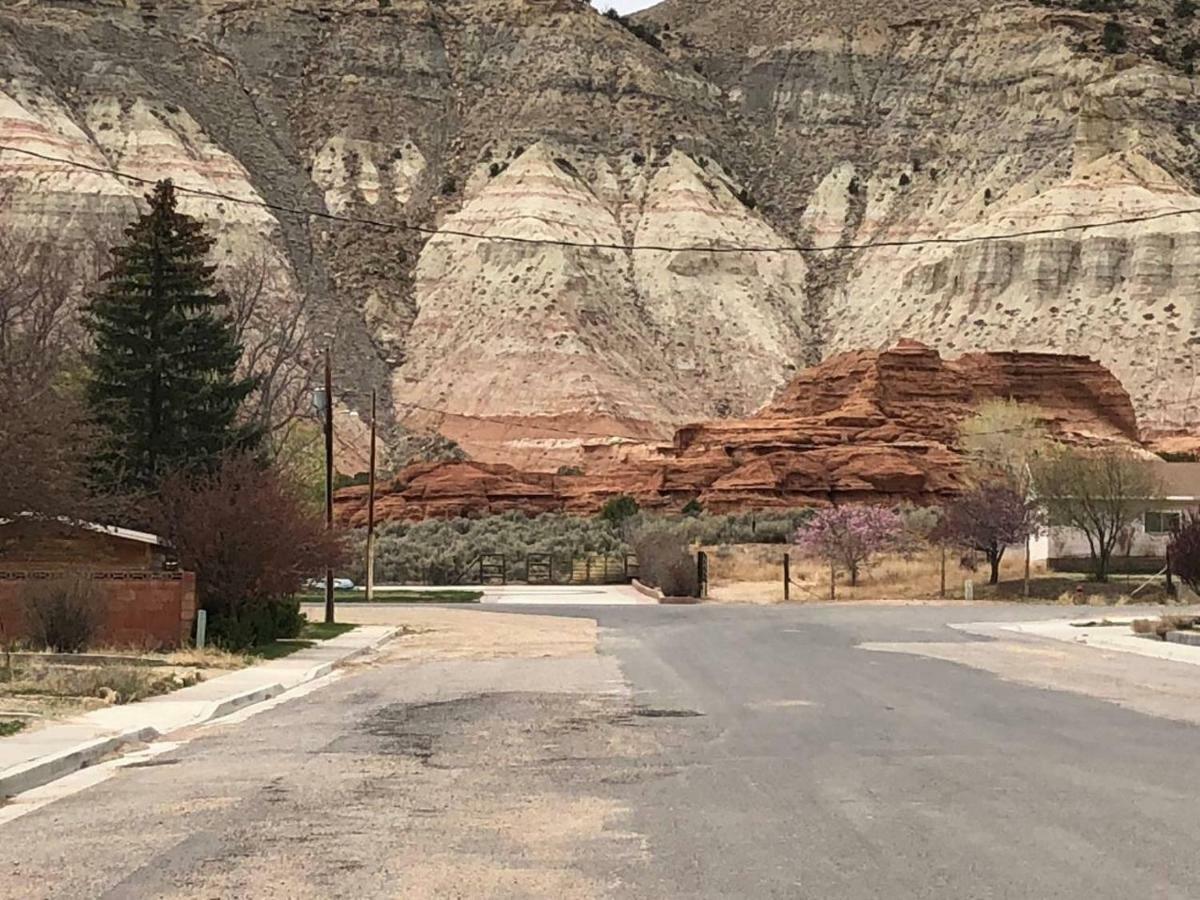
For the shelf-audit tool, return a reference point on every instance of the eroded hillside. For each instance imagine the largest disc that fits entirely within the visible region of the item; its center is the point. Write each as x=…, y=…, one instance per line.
x=759, y=123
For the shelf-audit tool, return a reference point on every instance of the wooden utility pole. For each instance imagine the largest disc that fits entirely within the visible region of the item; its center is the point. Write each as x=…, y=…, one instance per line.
x=329, y=610
x=787, y=577
x=832, y=583
x=371, y=508
x=943, y=587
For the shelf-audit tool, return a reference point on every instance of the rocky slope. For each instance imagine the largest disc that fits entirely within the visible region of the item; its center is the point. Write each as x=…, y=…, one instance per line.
x=865, y=426
x=760, y=123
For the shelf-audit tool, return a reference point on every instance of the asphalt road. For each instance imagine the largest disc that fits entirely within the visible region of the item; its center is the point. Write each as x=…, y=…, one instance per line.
x=705, y=752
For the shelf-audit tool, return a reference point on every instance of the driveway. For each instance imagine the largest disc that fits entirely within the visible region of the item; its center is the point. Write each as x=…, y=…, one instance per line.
x=647, y=751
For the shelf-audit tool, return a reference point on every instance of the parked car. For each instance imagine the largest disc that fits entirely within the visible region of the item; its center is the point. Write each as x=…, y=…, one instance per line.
x=339, y=584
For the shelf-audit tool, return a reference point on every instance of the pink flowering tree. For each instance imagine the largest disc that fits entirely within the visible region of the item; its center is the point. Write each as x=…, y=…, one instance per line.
x=851, y=537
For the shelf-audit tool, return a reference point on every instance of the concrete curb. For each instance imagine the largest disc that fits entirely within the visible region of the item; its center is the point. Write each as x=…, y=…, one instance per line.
x=37, y=772
x=645, y=589
x=238, y=701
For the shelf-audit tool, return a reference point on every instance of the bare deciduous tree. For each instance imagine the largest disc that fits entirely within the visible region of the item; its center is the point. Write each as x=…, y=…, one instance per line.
x=42, y=430
x=1099, y=492
x=274, y=331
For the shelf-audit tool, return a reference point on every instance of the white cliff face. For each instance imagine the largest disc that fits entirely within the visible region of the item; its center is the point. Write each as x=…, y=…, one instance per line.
x=1124, y=294
x=535, y=333
x=762, y=123
x=731, y=324
x=645, y=339
x=148, y=140
x=354, y=171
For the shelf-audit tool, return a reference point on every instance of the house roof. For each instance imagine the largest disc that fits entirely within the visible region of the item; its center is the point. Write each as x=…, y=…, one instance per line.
x=127, y=534
x=1180, y=480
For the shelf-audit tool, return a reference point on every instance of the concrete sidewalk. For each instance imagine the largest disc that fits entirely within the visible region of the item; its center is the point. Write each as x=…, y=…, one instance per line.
x=1119, y=637
x=29, y=760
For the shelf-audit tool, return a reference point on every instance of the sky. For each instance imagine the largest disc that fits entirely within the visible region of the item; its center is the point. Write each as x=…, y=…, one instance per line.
x=623, y=6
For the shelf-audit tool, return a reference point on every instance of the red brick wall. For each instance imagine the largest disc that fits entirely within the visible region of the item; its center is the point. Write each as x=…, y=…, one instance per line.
x=140, y=609
x=51, y=545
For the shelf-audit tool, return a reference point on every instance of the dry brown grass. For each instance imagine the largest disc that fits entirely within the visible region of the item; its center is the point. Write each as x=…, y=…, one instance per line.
x=753, y=573
x=208, y=658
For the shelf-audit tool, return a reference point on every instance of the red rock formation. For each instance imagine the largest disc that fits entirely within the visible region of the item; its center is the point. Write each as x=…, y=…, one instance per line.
x=860, y=426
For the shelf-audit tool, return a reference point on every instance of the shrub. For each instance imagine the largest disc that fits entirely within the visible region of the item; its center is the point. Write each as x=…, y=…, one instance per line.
x=251, y=540
x=64, y=614
x=442, y=551
x=258, y=622
x=1114, y=38
x=1184, y=551
x=618, y=509
x=1160, y=628
x=1143, y=626
x=1185, y=9
x=665, y=559
x=644, y=33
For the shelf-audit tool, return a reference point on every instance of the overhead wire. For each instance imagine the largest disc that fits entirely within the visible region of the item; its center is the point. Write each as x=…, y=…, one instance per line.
x=564, y=242
x=430, y=231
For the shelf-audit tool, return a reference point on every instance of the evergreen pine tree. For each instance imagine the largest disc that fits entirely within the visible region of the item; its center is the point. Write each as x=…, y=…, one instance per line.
x=163, y=387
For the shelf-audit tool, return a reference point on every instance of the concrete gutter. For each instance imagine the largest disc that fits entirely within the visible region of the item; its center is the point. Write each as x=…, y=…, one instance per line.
x=32, y=759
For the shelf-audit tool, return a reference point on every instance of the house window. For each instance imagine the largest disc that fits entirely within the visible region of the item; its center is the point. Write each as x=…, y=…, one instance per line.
x=1163, y=522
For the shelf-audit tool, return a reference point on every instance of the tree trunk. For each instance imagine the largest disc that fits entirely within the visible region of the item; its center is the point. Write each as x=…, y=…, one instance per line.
x=854, y=575
x=994, y=555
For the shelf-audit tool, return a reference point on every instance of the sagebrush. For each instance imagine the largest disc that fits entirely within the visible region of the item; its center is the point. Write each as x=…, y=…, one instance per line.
x=64, y=614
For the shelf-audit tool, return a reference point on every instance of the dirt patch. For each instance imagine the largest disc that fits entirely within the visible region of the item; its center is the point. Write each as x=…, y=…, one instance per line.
x=753, y=573
x=507, y=796
x=473, y=634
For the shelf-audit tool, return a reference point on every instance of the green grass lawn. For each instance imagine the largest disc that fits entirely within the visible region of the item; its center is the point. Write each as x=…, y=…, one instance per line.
x=433, y=595
x=308, y=637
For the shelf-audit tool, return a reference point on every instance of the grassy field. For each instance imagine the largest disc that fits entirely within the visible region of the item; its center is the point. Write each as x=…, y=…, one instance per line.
x=433, y=595
x=309, y=636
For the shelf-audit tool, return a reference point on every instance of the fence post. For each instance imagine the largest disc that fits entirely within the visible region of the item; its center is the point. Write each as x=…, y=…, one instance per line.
x=702, y=574
x=942, y=592
x=969, y=591
x=201, y=628
x=1170, y=583
x=832, y=583
x=787, y=577
x=1028, y=552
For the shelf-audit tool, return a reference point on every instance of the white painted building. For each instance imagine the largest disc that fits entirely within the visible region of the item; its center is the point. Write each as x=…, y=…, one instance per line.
x=1143, y=547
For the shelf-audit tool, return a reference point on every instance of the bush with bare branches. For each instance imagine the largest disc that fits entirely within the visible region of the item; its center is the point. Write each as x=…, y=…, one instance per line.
x=252, y=540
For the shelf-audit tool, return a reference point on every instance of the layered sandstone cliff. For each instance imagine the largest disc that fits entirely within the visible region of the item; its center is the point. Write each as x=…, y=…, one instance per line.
x=862, y=426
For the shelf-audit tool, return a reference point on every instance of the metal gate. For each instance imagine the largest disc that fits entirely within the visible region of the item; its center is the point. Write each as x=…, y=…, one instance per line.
x=539, y=568
x=493, y=569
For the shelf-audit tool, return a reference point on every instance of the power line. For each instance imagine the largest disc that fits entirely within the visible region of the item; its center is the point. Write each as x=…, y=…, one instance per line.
x=629, y=248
